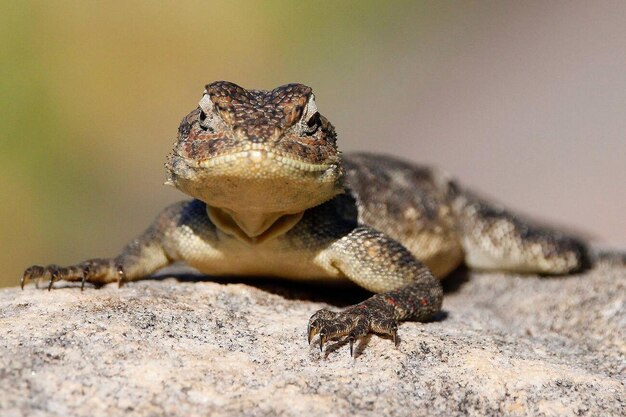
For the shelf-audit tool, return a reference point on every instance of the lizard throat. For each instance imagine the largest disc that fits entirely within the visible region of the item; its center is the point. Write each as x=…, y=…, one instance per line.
x=252, y=227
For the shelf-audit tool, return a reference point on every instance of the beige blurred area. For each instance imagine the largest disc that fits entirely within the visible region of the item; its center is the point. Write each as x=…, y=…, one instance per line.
x=524, y=101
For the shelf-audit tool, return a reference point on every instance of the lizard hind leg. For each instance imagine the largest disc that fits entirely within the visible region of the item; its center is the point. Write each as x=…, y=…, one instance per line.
x=494, y=239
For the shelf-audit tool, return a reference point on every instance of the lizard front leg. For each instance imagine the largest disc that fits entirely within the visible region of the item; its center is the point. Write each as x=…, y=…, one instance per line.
x=407, y=290
x=138, y=259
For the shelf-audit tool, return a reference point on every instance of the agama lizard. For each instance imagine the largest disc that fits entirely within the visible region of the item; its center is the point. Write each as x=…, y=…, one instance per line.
x=273, y=196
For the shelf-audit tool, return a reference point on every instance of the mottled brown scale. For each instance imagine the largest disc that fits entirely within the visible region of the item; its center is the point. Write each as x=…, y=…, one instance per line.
x=259, y=113
x=272, y=197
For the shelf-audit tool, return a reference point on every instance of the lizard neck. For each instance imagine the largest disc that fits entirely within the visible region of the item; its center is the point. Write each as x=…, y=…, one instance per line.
x=252, y=226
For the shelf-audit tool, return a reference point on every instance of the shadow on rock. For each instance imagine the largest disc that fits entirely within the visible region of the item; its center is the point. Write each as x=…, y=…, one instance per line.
x=340, y=294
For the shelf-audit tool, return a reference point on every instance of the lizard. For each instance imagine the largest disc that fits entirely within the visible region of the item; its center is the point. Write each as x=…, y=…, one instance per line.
x=272, y=195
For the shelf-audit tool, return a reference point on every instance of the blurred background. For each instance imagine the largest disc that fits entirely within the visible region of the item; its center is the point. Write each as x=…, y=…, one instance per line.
x=524, y=101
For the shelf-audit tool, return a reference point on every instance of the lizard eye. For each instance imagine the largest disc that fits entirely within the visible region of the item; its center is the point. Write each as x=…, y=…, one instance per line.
x=206, y=108
x=204, y=124
x=202, y=118
x=313, y=123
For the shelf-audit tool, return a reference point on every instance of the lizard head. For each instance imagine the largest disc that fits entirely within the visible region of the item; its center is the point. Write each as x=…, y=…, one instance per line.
x=254, y=150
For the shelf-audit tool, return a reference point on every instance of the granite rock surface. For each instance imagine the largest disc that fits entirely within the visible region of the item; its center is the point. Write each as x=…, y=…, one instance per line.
x=505, y=345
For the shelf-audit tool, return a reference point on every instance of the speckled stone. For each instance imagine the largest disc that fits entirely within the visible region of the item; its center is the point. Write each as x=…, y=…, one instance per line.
x=505, y=346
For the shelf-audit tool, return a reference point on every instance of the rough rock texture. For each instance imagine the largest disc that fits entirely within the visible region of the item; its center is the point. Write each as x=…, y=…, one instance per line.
x=506, y=345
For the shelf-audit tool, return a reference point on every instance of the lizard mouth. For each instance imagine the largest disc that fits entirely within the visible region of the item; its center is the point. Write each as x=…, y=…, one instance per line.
x=254, y=161
x=256, y=178
x=260, y=157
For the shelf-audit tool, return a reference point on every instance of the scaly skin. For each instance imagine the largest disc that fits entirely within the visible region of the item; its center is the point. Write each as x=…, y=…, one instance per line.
x=272, y=196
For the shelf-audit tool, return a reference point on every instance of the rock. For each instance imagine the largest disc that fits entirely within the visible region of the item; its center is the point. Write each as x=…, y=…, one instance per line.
x=506, y=345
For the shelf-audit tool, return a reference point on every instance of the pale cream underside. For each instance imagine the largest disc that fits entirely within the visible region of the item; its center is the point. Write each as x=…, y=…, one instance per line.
x=275, y=257
x=253, y=227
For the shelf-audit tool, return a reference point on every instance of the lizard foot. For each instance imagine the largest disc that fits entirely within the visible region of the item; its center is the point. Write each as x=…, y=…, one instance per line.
x=95, y=271
x=354, y=322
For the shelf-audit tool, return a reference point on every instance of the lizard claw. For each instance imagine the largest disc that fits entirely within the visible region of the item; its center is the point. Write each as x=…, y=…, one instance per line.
x=310, y=331
x=351, y=338
x=316, y=326
x=84, y=278
x=121, y=276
